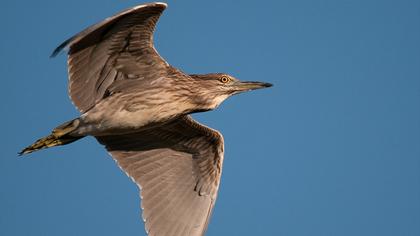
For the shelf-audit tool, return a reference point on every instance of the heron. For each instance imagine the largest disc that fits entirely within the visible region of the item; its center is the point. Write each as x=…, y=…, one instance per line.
x=139, y=107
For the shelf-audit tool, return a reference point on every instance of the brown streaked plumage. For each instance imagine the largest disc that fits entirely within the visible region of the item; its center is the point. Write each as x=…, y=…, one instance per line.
x=137, y=105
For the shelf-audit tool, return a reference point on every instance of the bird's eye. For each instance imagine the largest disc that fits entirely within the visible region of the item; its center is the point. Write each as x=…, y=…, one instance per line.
x=224, y=79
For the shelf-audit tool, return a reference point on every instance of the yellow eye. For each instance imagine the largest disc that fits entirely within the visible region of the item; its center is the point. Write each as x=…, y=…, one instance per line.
x=224, y=79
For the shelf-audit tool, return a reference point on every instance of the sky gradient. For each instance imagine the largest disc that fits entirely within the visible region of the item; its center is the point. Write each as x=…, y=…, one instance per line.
x=332, y=149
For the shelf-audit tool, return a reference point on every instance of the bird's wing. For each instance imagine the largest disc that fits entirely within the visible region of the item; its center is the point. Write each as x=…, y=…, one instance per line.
x=118, y=48
x=177, y=167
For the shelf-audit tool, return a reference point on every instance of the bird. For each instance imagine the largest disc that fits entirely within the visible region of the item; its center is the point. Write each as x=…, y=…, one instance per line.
x=139, y=107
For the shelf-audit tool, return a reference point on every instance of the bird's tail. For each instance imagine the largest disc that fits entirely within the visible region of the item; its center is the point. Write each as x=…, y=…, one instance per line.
x=59, y=136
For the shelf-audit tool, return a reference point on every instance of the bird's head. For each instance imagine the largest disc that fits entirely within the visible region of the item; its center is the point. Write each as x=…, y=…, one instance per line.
x=215, y=88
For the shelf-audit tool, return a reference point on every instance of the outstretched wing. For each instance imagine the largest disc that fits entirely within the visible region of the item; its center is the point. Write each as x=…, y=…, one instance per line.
x=177, y=167
x=118, y=48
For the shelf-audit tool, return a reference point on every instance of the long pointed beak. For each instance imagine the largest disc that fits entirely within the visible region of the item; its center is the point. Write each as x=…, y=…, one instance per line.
x=241, y=86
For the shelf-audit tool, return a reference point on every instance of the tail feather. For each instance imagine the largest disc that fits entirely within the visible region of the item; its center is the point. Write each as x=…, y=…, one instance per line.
x=59, y=136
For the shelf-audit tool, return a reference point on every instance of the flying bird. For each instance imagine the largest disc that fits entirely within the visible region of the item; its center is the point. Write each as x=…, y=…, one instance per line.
x=138, y=106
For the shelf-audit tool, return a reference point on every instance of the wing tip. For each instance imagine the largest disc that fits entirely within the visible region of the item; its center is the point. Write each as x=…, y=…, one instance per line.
x=63, y=46
x=69, y=41
x=60, y=48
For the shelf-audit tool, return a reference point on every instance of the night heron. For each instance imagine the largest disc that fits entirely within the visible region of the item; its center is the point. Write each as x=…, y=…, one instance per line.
x=137, y=105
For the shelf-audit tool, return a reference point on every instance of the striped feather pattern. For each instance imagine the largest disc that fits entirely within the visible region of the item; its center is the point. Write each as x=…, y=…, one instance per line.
x=177, y=167
x=118, y=48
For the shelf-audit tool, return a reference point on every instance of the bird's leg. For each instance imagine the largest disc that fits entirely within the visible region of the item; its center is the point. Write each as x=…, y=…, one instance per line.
x=59, y=136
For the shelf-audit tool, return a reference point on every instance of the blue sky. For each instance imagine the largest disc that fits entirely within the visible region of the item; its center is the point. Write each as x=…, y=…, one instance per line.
x=332, y=149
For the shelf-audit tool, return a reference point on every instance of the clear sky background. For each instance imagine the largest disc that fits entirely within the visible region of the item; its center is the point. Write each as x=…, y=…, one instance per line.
x=332, y=149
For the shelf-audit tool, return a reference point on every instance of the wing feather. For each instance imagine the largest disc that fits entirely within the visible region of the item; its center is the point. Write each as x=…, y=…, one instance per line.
x=120, y=47
x=178, y=168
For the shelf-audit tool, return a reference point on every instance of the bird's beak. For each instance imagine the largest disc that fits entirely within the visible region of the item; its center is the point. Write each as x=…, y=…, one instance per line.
x=241, y=86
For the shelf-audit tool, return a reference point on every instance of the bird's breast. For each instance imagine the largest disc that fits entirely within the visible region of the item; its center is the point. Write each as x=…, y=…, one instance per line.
x=123, y=114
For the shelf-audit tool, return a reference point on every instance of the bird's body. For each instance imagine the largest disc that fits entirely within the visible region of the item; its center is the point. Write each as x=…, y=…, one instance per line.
x=137, y=105
x=146, y=104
